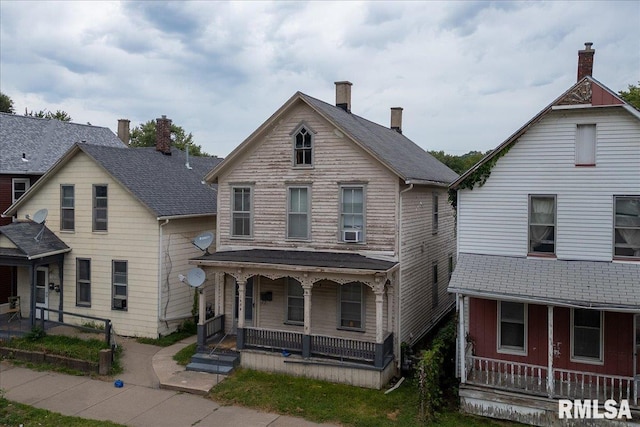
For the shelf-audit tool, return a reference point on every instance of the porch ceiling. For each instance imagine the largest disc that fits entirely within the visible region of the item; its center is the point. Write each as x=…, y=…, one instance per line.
x=23, y=235
x=590, y=284
x=285, y=259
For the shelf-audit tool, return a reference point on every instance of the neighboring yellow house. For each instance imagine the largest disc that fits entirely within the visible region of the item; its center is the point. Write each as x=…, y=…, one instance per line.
x=129, y=216
x=335, y=243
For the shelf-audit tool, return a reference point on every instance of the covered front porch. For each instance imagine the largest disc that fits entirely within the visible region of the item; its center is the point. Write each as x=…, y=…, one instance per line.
x=321, y=315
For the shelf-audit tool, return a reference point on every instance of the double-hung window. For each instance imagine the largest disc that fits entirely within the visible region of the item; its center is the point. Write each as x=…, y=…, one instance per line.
x=352, y=214
x=512, y=327
x=298, y=213
x=542, y=224
x=303, y=148
x=587, y=339
x=434, y=285
x=295, y=302
x=83, y=282
x=586, y=145
x=19, y=186
x=434, y=214
x=351, y=306
x=100, y=207
x=627, y=227
x=67, y=207
x=241, y=213
x=119, y=280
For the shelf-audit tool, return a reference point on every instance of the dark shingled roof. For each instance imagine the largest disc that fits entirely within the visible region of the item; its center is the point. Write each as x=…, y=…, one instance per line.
x=392, y=148
x=44, y=141
x=161, y=182
x=575, y=283
x=301, y=258
x=22, y=234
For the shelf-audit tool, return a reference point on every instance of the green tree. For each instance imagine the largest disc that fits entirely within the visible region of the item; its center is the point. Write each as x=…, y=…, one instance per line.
x=458, y=164
x=6, y=104
x=61, y=115
x=632, y=96
x=144, y=135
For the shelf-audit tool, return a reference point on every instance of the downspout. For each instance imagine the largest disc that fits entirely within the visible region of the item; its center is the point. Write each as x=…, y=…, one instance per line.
x=399, y=326
x=166, y=221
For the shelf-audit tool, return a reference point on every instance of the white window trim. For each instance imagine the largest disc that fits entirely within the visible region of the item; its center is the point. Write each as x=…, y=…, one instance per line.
x=435, y=286
x=308, y=237
x=613, y=234
x=435, y=212
x=508, y=349
x=555, y=225
x=342, y=187
x=114, y=284
x=293, y=134
x=14, y=181
x=251, y=212
x=288, y=281
x=582, y=359
x=362, y=308
x=86, y=304
x=62, y=208
x=95, y=209
x=595, y=145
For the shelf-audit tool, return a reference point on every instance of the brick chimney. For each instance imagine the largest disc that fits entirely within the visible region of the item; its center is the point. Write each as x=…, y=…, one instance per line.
x=163, y=135
x=396, y=119
x=343, y=95
x=123, y=130
x=585, y=61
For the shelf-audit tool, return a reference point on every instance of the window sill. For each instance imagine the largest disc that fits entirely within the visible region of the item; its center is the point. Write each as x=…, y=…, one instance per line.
x=290, y=323
x=100, y=231
x=587, y=361
x=512, y=352
x=628, y=259
x=295, y=239
x=342, y=242
x=241, y=237
x=344, y=328
x=303, y=167
x=83, y=305
x=541, y=255
x=68, y=231
x=590, y=165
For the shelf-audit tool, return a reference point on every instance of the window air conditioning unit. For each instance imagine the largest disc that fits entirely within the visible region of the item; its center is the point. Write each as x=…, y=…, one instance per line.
x=351, y=235
x=119, y=304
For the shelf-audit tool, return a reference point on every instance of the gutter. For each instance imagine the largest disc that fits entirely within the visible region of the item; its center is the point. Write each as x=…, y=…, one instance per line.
x=160, y=317
x=399, y=324
x=170, y=217
x=61, y=251
x=411, y=182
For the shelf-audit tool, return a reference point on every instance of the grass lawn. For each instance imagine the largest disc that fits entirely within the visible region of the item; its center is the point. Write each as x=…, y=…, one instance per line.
x=325, y=402
x=17, y=414
x=187, y=329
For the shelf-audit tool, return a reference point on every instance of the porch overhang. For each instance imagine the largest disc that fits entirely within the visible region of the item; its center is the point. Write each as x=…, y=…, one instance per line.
x=31, y=242
x=581, y=284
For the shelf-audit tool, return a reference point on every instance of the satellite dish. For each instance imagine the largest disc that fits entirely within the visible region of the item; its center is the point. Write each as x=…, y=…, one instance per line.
x=40, y=216
x=203, y=241
x=196, y=277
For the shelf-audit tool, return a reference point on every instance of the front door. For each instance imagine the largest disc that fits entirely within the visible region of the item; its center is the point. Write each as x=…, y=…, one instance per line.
x=248, y=305
x=42, y=291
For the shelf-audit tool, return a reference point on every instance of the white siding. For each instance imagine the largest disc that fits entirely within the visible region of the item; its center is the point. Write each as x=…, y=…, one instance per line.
x=493, y=219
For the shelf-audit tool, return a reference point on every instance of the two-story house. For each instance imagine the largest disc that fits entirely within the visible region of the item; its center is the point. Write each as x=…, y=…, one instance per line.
x=334, y=243
x=29, y=146
x=129, y=216
x=548, y=273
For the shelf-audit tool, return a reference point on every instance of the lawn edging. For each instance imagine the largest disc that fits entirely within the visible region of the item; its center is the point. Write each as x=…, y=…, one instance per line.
x=58, y=360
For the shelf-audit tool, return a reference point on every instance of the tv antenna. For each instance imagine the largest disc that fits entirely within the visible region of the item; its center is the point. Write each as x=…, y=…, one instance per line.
x=40, y=217
x=195, y=277
x=203, y=241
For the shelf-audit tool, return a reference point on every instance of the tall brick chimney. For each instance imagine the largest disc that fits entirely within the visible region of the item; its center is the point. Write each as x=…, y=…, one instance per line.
x=123, y=131
x=585, y=61
x=396, y=119
x=163, y=135
x=343, y=95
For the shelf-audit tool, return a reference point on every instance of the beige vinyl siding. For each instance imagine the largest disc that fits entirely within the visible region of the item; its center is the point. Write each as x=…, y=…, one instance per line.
x=177, y=249
x=419, y=248
x=543, y=162
x=132, y=236
x=268, y=165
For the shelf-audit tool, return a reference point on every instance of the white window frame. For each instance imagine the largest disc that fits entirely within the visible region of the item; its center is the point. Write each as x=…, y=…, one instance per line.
x=289, y=282
x=617, y=244
x=83, y=282
x=115, y=285
x=14, y=181
x=64, y=208
x=586, y=139
x=342, y=214
x=435, y=291
x=361, y=328
x=232, y=206
x=507, y=349
x=307, y=213
x=311, y=149
x=434, y=213
x=97, y=209
x=530, y=250
x=450, y=266
x=585, y=359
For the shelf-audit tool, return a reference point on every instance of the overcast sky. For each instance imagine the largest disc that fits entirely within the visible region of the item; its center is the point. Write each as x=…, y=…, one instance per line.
x=468, y=74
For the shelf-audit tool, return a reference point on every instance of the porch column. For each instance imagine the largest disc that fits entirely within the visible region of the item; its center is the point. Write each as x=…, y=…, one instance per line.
x=61, y=281
x=202, y=334
x=219, y=293
x=379, y=315
x=242, y=290
x=307, y=285
x=462, y=340
x=550, y=351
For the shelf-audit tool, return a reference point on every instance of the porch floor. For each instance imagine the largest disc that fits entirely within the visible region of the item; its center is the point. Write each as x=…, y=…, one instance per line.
x=18, y=327
x=222, y=344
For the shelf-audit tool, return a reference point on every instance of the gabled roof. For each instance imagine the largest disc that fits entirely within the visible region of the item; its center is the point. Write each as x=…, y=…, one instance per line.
x=593, y=284
x=24, y=234
x=43, y=141
x=160, y=182
x=586, y=93
x=394, y=150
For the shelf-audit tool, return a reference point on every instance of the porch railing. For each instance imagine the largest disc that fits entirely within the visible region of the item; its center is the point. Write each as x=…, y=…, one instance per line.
x=268, y=338
x=342, y=348
x=211, y=327
x=532, y=379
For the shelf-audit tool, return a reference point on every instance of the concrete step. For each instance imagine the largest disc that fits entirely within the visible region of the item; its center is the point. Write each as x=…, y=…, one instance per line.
x=206, y=367
x=223, y=359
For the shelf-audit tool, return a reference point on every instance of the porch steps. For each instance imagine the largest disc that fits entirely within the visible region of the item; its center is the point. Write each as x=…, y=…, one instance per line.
x=215, y=363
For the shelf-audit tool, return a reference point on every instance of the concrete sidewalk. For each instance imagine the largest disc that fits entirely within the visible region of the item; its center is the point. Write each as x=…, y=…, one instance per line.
x=143, y=400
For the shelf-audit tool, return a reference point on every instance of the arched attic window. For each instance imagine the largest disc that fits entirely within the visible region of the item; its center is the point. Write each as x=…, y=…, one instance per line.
x=303, y=146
